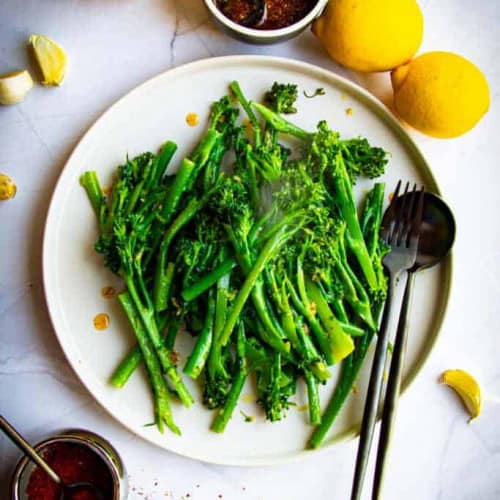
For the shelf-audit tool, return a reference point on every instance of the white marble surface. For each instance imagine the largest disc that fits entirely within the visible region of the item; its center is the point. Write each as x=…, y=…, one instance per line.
x=115, y=45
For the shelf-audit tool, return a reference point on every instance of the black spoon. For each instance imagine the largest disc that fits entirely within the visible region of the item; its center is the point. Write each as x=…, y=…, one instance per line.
x=437, y=235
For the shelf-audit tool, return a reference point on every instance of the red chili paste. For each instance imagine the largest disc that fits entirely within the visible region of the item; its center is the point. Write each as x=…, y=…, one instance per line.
x=73, y=463
x=279, y=13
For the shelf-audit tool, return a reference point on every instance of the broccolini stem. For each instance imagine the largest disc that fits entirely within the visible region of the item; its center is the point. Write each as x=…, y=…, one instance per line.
x=173, y=329
x=354, y=236
x=203, y=284
x=126, y=367
x=161, y=281
x=164, y=354
x=372, y=217
x=221, y=305
x=278, y=344
x=323, y=336
x=214, y=364
x=182, y=178
x=269, y=250
x=341, y=344
x=319, y=333
x=167, y=281
x=339, y=308
x=266, y=316
x=352, y=330
x=347, y=378
x=213, y=164
x=162, y=406
x=90, y=183
x=163, y=159
x=129, y=363
x=279, y=123
x=236, y=89
x=203, y=152
x=252, y=179
x=225, y=413
x=134, y=197
x=198, y=357
x=350, y=370
x=313, y=398
x=311, y=355
x=281, y=298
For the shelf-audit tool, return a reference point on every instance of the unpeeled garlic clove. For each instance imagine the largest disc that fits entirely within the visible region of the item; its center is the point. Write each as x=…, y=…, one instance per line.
x=14, y=86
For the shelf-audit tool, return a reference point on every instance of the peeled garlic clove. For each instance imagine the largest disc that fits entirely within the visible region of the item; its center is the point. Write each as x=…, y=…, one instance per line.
x=14, y=86
x=7, y=187
x=50, y=57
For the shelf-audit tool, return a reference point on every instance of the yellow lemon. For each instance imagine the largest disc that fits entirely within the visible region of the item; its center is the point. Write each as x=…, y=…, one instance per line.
x=50, y=57
x=441, y=94
x=466, y=387
x=370, y=35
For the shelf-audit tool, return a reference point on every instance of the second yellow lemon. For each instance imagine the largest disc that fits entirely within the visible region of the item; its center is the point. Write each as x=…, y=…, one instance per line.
x=370, y=35
x=440, y=93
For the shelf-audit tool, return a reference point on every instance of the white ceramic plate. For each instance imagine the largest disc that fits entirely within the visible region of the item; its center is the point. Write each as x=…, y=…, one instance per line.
x=74, y=274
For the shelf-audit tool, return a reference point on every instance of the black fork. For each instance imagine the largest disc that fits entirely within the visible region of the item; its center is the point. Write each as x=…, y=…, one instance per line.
x=400, y=231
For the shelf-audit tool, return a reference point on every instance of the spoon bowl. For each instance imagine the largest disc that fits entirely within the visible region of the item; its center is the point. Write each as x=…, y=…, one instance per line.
x=437, y=232
x=69, y=490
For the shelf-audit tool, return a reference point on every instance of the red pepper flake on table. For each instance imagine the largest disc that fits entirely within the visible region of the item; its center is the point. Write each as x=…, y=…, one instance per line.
x=73, y=463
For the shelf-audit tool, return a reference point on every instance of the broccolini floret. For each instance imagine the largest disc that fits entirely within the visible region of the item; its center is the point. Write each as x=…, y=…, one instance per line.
x=281, y=98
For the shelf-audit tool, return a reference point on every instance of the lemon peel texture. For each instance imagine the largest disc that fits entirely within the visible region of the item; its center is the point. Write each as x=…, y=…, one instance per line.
x=440, y=93
x=370, y=35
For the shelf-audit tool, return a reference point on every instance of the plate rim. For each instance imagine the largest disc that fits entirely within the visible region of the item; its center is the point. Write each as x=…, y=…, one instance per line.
x=376, y=106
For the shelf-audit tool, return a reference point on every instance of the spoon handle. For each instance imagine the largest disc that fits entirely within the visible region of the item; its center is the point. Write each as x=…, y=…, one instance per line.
x=21, y=443
x=393, y=387
x=373, y=395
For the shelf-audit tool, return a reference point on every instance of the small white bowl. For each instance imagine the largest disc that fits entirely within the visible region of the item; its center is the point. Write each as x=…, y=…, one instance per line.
x=263, y=37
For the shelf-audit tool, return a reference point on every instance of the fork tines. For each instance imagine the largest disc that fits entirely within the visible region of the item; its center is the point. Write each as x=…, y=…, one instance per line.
x=405, y=214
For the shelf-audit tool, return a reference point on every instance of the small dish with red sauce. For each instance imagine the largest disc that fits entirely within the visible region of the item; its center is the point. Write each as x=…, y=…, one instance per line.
x=76, y=456
x=264, y=21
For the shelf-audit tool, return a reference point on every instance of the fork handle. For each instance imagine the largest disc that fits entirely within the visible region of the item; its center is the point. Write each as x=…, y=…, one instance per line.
x=373, y=394
x=393, y=387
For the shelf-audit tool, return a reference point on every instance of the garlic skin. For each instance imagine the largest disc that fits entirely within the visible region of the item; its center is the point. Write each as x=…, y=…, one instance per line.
x=14, y=86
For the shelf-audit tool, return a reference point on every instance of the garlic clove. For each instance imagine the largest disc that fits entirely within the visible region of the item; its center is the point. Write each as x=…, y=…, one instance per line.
x=51, y=59
x=14, y=86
